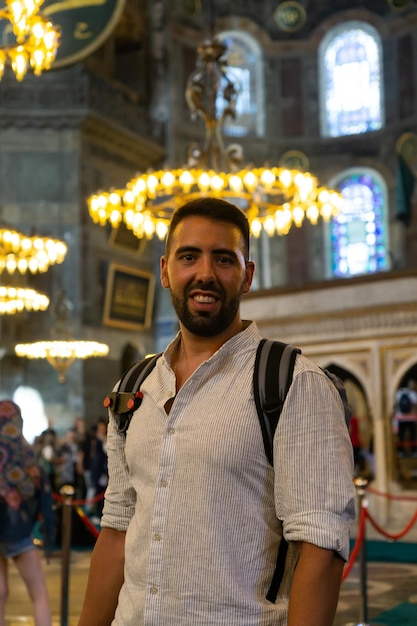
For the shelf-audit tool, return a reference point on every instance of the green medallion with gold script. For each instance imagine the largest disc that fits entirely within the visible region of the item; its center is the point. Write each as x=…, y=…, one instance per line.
x=85, y=25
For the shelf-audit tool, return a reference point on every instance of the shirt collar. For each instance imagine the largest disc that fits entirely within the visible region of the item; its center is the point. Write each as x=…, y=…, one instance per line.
x=249, y=333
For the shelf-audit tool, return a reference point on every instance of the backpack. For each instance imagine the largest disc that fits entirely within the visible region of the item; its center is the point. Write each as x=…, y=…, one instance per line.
x=271, y=357
x=404, y=403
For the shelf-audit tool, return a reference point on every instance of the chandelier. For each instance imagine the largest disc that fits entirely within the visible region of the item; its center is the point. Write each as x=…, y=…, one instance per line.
x=61, y=354
x=273, y=198
x=61, y=350
x=23, y=254
x=16, y=299
x=36, y=38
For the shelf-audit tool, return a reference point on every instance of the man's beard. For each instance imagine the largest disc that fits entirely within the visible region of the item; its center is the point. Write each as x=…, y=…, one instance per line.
x=204, y=324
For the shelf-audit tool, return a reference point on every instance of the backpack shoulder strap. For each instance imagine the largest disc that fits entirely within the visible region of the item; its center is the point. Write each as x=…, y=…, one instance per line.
x=128, y=397
x=272, y=377
x=338, y=383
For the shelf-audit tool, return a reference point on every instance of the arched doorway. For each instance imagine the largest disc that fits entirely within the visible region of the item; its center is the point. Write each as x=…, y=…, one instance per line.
x=361, y=430
x=404, y=429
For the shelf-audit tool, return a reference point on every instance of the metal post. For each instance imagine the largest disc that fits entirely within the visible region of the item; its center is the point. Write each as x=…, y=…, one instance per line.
x=67, y=492
x=362, y=503
x=361, y=484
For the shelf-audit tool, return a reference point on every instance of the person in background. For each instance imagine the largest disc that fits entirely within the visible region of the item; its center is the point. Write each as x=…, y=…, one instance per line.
x=98, y=466
x=195, y=516
x=354, y=432
x=80, y=430
x=84, y=466
x=406, y=419
x=20, y=501
x=49, y=457
x=68, y=454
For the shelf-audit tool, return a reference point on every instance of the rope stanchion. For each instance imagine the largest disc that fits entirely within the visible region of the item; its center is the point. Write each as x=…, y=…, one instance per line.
x=360, y=543
x=67, y=493
x=96, y=498
x=354, y=553
x=360, y=484
x=360, y=547
x=77, y=506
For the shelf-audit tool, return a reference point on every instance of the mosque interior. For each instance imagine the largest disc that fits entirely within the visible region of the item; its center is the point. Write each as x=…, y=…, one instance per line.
x=324, y=87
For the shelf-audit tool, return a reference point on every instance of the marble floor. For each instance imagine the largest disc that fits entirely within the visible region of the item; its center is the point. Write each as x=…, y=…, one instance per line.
x=388, y=585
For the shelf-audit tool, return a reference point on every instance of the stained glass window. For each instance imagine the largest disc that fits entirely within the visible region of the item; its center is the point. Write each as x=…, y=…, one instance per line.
x=244, y=63
x=351, y=80
x=359, y=234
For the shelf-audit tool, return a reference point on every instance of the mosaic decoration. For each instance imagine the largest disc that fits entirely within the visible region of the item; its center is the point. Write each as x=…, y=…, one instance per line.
x=290, y=16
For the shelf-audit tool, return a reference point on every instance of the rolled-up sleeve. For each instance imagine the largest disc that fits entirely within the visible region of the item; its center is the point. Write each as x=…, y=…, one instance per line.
x=313, y=461
x=120, y=497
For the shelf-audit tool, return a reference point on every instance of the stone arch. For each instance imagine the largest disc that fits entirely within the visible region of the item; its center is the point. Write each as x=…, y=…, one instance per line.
x=359, y=402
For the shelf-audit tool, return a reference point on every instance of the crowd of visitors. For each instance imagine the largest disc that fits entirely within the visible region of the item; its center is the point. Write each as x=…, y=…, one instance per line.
x=78, y=458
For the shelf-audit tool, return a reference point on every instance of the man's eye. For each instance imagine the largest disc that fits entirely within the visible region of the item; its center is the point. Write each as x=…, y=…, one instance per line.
x=187, y=257
x=225, y=260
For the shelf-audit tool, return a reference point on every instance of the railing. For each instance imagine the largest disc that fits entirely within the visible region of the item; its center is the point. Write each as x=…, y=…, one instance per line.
x=358, y=550
x=359, y=547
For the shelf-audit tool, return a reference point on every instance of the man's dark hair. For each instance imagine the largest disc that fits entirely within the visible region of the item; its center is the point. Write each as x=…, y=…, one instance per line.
x=212, y=209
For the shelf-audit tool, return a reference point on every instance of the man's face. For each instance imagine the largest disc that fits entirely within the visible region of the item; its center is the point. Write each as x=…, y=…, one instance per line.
x=206, y=274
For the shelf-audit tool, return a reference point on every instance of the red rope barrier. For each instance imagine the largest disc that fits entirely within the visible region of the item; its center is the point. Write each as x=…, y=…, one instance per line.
x=354, y=553
x=395, y=536
x=390, y=496
x=96, y=498
x=357, y=546
x=86, y=522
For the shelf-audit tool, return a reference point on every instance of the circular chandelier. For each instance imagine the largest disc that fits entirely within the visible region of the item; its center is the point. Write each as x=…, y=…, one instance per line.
x=273, y=198
x=61, y=350
x=61, y=353
x=16, y=299
x=36, y=38
x=21, y=253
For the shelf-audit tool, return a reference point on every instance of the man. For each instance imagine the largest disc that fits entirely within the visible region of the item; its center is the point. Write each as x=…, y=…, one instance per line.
x=194, y=513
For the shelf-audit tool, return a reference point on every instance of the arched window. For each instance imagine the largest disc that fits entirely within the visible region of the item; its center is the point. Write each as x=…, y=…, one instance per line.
x=358, y=239
x=351, y=85
x=244, y=62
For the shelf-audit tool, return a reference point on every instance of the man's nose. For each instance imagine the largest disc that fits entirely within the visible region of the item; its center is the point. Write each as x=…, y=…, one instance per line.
x=206, y=271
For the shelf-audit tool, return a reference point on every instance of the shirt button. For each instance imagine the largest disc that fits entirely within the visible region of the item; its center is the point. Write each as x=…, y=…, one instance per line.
x=157, y=537
x=171, y=431
x=154, y=590
x=164, y=483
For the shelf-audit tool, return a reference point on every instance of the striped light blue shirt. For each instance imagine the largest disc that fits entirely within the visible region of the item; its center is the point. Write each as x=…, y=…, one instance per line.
x=204, y=511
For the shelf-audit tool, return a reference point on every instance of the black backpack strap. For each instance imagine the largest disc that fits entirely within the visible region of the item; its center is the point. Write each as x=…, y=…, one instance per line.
x=338, y=383
x=128, y=397
x=272, y=377
x=278, y=572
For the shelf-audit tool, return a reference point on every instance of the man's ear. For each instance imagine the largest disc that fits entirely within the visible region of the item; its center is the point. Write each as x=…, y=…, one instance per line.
x=250, y=269
x=164, y=272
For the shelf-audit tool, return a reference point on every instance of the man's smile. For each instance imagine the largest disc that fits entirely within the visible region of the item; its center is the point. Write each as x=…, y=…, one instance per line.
x=204, y=299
